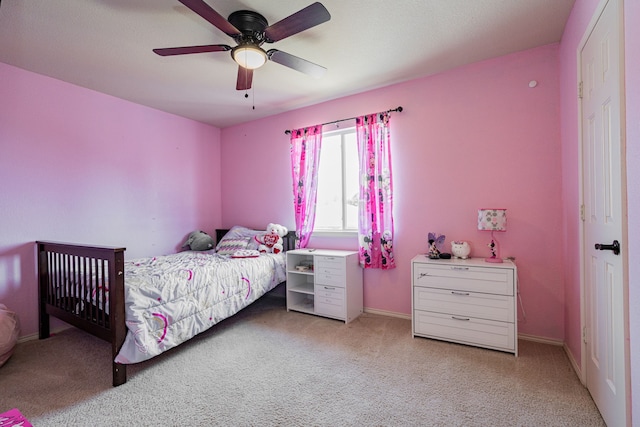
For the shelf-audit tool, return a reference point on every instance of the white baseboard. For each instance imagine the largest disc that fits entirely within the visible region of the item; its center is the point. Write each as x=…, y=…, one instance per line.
x=542, y=340
x=387, y=313
x=26, y=338
x=572, y=360
x=36, y=335
x=574, y=364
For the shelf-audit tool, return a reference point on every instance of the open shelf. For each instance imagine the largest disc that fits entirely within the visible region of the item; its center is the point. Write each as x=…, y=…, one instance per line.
x=304, y=273
x=301, y=302
x=303, y=288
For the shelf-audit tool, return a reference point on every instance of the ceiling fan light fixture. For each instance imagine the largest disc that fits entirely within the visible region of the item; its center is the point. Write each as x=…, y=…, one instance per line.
x=249, y=56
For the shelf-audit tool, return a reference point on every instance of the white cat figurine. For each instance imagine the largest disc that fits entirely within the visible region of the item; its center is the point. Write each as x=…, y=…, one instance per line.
x=460, y=249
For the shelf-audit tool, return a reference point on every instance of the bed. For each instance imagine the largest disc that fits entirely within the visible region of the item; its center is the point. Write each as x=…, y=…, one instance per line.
x=146, y=306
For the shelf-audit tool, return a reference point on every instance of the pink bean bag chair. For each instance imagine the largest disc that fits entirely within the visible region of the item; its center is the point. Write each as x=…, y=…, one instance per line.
x=9, y=331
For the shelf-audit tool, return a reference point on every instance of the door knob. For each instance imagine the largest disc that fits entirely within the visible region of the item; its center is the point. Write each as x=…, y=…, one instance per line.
x=615, y=247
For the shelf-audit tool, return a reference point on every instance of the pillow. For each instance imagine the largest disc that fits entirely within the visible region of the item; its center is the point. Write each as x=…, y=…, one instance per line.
x=246, y=253
x=229, y=246
x=238, y=231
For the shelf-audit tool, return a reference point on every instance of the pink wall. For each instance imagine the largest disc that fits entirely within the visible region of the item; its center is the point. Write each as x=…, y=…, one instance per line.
x=473, y=137
x=80, y=166
x=576, y=27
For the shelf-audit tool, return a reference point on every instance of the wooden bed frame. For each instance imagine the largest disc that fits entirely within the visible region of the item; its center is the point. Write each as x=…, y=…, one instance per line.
x=78, y=269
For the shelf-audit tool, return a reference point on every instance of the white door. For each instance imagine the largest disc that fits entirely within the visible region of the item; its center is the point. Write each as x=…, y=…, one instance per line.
x=604, y=204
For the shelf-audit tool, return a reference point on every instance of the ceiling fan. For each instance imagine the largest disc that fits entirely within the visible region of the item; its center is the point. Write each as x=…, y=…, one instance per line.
x=250, y=30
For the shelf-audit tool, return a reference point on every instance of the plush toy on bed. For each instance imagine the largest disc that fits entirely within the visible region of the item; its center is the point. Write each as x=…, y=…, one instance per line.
x=199, y=241
x=271, y=241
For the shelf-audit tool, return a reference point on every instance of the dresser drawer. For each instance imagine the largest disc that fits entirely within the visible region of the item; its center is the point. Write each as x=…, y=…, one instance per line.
x=330, y=279
x=330, y=262
x=465, y=330
x=329, y=301
x=329, y=291
x=464, y=278
x=330, y=270
x=463, y=303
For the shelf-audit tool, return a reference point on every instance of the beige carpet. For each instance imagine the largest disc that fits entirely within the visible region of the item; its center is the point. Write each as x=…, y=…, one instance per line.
x=266, y=367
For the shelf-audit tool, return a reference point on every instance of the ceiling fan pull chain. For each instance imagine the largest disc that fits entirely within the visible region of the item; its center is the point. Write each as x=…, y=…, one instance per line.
x=246, y=90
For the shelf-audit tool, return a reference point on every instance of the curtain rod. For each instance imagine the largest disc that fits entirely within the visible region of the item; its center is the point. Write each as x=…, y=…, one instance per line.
x=399, y=110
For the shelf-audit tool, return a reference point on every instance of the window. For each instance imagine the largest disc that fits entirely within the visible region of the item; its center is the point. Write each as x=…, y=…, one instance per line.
x=338, y=187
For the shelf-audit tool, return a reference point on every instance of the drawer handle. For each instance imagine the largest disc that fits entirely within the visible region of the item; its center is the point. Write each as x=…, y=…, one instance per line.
x=460, y=268
x=460, y=318
x=460, y=293
x=329, y=289
x=423, y=274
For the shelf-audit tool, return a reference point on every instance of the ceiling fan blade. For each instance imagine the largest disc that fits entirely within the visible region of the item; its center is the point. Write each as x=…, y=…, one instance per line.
x=205, y=11
x=168, y=51
x=245, y=77
x=304, y=19
x=296, y=63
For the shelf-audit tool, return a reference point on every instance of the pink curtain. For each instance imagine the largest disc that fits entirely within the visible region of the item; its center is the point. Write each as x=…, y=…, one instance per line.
x=305, y=157
x=375, y=234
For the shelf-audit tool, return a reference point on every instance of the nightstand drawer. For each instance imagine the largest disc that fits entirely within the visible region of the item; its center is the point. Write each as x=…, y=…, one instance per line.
x=324, y=278
x=462, y=303
x=330, y=262
x=329, y=291
x=329, y=301
x=466, y=330
x=463, y=278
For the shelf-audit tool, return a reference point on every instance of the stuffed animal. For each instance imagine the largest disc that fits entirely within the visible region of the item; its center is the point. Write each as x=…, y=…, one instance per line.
x=271, y=241
x=199, y=241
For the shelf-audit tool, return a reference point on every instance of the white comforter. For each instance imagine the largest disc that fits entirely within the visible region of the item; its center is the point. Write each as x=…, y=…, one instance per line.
x=170, y=299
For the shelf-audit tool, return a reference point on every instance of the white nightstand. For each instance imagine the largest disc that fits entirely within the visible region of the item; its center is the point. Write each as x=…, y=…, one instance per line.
x=465, y=301
x=331, y=288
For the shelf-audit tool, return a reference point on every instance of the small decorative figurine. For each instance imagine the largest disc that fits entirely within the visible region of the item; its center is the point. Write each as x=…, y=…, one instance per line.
x=460, y=249
x=435, y=245
x=492, y=248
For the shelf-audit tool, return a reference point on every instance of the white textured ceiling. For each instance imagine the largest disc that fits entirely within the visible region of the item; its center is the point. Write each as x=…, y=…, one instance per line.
x=105, y=45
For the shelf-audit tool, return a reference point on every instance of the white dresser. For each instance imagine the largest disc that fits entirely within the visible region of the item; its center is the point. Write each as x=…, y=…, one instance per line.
x=330, y=287
x=465, y=301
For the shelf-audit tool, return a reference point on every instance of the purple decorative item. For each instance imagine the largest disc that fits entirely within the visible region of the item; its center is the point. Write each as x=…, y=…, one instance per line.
x=435, y=245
